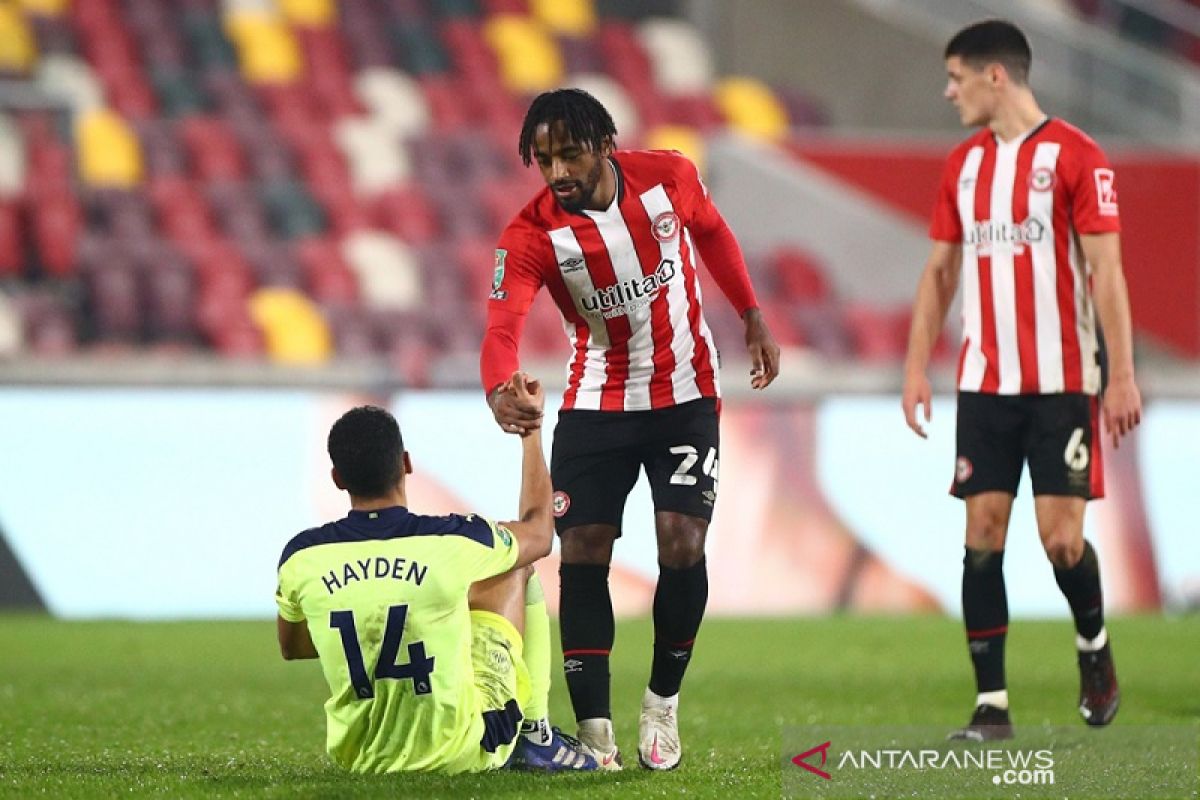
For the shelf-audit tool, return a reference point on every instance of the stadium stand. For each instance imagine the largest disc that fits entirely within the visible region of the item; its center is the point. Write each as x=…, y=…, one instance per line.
x=302, y=179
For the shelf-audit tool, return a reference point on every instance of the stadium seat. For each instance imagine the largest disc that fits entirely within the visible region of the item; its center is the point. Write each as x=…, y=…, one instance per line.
x=12, y=328
x=57, y=223
x=109, y=152
x=394, y=100
x=797, y=276
x=54, y=36
x=293, y=329
x=213, y=149
x=677, y=137
x=45, y=8
x=178, y=91
x=291, y=210
x=575, y=18
x=610, y=94
x=455, y=8
x=679, y=56
x=12, y=159
x=751, y=108
x=170, y=301
x=267, y=51
x=12, y=245
x=18, y=48
x=309, y=13
x=49, y=328
x=114, y=301
x=388, y=274
x=528, y=56
x=374, y=155
x=354, y=335
x=67, y=77
x=420, y=50
x=878, y=334
x=408, y=213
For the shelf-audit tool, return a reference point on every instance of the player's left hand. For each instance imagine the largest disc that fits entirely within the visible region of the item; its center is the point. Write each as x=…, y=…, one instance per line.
x=764, y=353
x=1122, y=408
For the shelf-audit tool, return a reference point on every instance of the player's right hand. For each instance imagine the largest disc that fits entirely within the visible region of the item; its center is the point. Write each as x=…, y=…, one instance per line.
x=517, y=404
x=917, y=392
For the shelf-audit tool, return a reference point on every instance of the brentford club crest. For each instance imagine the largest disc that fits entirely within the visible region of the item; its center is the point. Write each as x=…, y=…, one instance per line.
x=963, y=469
x=1041, y=179
x=665, y=226
x=560, y=503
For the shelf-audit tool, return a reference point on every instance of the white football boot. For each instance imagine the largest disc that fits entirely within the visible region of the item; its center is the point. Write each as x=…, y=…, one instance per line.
x=596, y=734
x=658, y=732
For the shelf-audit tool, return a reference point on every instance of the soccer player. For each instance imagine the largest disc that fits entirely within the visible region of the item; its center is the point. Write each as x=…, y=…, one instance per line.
x=1027, y=217
x=418, y=620
x=613, y=237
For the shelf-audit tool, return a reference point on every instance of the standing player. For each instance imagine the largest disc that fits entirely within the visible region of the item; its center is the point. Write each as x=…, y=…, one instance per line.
x=418, y=620
x=1027, y=215
x=614, y=237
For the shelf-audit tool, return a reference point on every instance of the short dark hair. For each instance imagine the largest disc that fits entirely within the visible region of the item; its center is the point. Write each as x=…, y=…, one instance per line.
x=584, y=119
x=994, y=40
x=366, y=449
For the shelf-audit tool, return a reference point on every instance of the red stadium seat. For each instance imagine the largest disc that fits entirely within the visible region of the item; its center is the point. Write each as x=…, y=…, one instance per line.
x=57, y=225
x=12, y=247
x=214, y=150
x=797, y=275
x=408, y=213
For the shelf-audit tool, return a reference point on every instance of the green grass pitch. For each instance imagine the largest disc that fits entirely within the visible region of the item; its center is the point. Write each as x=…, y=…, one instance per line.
x=205, y=709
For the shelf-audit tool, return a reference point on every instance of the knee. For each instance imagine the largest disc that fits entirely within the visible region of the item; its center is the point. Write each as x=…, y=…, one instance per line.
x=587, y=546
x=1063, y=550
x=681, y=546
x=987, y=532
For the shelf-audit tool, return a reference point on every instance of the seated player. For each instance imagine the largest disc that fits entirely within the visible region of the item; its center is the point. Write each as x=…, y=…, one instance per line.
x=418, y=620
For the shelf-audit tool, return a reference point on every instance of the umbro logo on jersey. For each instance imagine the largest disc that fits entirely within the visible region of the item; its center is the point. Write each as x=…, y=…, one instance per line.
x=570, y=265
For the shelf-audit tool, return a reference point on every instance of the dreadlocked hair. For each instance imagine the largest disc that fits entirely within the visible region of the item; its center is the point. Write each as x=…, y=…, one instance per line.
x=584, y=119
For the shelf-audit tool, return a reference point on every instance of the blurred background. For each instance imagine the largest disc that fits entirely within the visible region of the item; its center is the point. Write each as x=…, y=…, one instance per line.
x=222, y=223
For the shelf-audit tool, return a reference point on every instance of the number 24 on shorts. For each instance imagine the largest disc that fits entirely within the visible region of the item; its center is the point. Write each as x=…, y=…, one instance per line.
x=682, y=475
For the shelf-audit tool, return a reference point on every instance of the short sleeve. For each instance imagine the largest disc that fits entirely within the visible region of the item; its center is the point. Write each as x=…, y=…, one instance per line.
x=1093, y=188
x=699, y=212
x=288, y=602
x=946, y=224
x=484, y=548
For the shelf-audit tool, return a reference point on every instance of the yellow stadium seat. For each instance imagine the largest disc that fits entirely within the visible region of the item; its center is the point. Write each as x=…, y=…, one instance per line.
x=293, y=329
x=18, y=48
x=44, y=8
x=529, y=58
x=566, y=17
x=267, y=50
x=751, y=108
x=308, y=13
x=109, y=153
x=678, y=137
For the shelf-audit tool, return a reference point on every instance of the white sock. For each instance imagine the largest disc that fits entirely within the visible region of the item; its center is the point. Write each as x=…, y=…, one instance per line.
x=658, y=701
x=997, y=699
x=596, y=728
x=1092, y=645
x=537, y=731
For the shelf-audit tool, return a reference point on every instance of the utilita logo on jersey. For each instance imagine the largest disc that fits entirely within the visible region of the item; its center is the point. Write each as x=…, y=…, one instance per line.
x=622, y=298
x=989, y=235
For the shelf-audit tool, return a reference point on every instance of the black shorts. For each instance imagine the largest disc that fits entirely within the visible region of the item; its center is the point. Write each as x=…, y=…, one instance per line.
x=1056, y=433
x=597, y=456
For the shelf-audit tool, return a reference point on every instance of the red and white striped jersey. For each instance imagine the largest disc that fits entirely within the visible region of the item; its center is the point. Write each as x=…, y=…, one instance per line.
x=1017, y=208
x=625, y=280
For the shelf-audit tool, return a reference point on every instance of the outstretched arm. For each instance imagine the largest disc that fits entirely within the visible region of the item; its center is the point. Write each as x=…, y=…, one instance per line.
x=535, y=528
x=935, y=292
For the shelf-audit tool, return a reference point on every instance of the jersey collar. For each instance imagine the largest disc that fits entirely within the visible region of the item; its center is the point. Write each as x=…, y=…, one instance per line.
x=382, y=515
